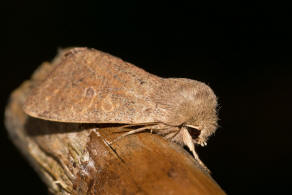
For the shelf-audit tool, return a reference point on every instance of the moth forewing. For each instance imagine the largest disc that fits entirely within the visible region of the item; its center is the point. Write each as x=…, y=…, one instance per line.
x=89, y=86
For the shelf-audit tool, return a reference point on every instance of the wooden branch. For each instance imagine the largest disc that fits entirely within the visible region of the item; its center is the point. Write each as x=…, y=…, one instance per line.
x=77, y=158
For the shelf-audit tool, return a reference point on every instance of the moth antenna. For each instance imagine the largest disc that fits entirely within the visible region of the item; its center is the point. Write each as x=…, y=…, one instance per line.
x=132, y=132
x=139, y=124
x=166, y=132
x=128, y=125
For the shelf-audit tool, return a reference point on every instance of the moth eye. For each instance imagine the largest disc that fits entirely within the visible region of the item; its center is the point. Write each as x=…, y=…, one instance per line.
x=193, y=132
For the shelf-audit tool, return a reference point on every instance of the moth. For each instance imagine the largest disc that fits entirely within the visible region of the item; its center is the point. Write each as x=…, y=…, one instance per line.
x=90, y=86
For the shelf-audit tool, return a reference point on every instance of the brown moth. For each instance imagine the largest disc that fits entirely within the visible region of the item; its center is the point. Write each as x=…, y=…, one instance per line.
x=89, y=86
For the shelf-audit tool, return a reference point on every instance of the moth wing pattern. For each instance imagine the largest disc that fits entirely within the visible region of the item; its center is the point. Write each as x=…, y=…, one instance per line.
x=89, y=86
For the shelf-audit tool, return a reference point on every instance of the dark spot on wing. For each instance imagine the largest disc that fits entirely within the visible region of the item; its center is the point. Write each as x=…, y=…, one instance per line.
x=89, y=92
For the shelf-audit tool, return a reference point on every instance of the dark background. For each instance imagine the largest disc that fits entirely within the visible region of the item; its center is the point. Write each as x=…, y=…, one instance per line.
x=243, y=51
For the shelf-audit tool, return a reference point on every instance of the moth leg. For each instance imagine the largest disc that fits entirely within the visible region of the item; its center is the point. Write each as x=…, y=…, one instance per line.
x=200, y=141
x=199, y=160
x=171, y=134
x=188, y=141
x=133, y=132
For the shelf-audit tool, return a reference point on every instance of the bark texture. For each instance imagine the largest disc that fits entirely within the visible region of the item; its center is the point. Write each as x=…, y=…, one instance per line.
x=74, y=158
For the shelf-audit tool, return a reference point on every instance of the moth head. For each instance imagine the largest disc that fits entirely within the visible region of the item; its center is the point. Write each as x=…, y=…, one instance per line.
x=200, y=106
x=202, y=125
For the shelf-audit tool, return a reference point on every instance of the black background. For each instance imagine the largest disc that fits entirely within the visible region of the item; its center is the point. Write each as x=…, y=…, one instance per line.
x=243, y=51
